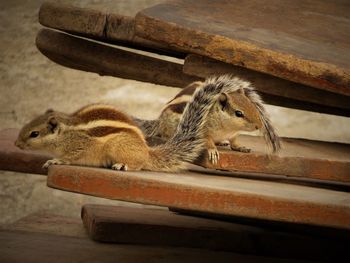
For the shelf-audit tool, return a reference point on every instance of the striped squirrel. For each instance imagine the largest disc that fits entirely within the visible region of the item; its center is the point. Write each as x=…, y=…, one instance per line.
x=101, y=136
x=239, y=108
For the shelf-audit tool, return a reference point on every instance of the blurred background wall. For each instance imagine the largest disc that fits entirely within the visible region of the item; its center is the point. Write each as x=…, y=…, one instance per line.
x=30, y=84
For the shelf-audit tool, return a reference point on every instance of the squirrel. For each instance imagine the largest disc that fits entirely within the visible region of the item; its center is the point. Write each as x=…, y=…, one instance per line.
x=238, y=108
x=102, y=136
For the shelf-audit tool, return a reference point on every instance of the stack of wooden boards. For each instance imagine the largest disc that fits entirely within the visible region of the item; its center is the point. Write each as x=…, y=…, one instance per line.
x=303, y=66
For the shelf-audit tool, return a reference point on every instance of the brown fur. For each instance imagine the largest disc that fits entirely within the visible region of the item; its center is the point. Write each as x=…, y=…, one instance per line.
x=106, y=130
x=99, y=135
x=101, y=112
x=222, y=123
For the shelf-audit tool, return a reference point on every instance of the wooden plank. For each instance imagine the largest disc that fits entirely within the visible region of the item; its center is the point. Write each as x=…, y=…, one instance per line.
x=90, y=56
x=210, y=193
x=91, y=23
x=158, y=227
x=38, y=247
x=303, y=41
x=15, y=159
x=298, y=158
x=318, y=100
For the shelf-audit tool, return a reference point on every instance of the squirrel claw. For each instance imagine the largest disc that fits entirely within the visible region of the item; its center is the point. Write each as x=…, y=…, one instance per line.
x=213, y=156
x=241, y=149
x=120, y=167
x=52, y=161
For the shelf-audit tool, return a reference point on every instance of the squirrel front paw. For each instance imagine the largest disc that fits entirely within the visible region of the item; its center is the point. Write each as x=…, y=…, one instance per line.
x=241, y=149
x=53, y=161
x=213, y=156
x=120, y=167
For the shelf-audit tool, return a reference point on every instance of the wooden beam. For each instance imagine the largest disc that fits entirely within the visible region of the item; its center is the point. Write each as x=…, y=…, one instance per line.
x=81, y=54
x=210, y=193
x=129, y=225
x=275, y=90
x=95, y=24
x=300, y=161
x=299, y=158
x=304, y=42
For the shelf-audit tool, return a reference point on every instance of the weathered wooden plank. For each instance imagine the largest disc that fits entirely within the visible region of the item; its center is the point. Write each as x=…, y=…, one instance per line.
x=159, y=227
x=298, y=158
x=99, y=25
x=302, y=159
x=303, y=41
x=318, y=100
x=209, y=193
x=90, y=56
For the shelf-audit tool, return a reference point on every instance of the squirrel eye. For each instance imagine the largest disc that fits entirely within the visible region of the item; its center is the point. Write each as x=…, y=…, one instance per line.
x=34, y=134
x=239, y=114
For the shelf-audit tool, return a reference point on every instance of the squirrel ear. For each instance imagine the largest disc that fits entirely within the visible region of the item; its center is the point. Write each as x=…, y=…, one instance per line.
x=49, y=111
x=52, y=124
x=223, y=100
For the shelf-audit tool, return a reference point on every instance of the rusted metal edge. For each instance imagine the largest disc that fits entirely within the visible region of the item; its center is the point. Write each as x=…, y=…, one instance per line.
x=212, y=194
x=95, y=24
x=319, y=75
x=318, y=100
x=81, y=54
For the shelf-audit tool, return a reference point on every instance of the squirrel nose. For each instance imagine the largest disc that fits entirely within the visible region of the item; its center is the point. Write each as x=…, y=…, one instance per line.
x=256, y=127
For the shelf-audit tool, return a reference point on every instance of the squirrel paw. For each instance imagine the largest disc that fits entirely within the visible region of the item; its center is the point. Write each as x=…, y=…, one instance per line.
x=53, y=161
x=241, y=149
x=213, y=155
x=120, y=167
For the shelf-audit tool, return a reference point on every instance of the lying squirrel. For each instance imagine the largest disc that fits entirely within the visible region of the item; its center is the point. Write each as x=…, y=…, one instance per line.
x=239, y=108
x=102, y=136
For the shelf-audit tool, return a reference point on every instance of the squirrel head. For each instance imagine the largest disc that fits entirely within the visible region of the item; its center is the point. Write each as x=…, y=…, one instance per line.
x=240, y=112
x=38, y=133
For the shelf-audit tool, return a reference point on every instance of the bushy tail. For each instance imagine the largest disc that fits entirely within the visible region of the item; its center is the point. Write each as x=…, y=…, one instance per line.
x=189, y=139
x=268, y=130
x=149, y=128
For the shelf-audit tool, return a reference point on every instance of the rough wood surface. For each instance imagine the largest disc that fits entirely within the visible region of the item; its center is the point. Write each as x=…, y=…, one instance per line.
x=298, y=158
x=303, y=41
x=302, y=159
x=90, y=56
x=158, y=227
x=98, y=25
x=309, y=98
x=210, y=193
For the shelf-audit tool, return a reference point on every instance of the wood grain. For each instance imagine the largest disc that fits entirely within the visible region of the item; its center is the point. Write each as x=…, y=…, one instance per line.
x=210, y=193
x=160, y=227
x=81, y=54
x=100, y=25
x=303, y=41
